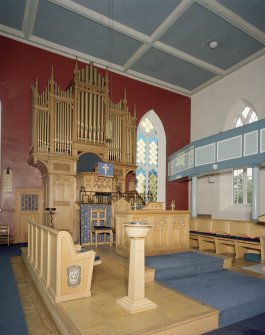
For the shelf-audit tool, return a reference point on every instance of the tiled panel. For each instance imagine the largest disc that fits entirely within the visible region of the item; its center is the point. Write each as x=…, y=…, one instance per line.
x=85, y=220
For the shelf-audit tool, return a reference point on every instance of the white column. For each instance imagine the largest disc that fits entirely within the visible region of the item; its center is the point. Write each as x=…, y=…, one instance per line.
x=255, y=193
x=194, y=196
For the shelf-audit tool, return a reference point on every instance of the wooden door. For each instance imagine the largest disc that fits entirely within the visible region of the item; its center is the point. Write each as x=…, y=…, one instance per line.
x=28, y=206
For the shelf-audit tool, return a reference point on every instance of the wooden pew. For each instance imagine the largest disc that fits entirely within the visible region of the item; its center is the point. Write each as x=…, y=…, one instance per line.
x=60, y=272
x=262, y=218
x=228, y=236
x=4, y=234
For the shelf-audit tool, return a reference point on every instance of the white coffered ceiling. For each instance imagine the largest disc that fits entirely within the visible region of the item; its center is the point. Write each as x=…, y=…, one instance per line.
x=162, y=42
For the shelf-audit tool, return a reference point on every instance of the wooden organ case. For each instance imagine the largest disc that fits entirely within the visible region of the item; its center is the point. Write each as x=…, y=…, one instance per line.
x=68, y=123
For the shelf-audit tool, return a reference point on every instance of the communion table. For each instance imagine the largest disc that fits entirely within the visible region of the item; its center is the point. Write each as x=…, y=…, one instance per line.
x=169, y=230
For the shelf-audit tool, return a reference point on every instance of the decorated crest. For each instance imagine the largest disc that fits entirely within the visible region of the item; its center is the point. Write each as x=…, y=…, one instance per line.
x=73, y=275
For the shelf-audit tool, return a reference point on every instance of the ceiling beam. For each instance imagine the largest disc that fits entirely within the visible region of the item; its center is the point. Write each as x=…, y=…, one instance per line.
x=164, y=26
x=158, y=83
x=232, y=18
x=230, y=70
x=152, y=40
x=82, y=57
x=29, y=18
x=101, y=19
x=188, y=58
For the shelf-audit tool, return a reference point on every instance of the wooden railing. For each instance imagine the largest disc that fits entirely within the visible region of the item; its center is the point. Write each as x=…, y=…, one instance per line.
x=59, y=271
x=134, y=198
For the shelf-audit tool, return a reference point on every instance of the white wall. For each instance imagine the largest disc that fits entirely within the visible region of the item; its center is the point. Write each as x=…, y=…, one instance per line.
x=213, y=110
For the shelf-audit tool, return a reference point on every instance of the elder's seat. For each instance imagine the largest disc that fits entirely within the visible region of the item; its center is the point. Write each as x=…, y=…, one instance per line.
x=98, y=225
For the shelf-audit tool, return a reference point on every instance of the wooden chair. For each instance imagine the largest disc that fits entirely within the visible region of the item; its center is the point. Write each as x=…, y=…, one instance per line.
x=4, y=234
x=98, y=225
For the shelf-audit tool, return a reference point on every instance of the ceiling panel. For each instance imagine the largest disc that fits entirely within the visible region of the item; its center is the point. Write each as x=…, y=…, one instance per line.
x=252, y=11
x=167, y=68
x=144, y=16
x=58, y=25
x=12, y=13
x=193, y=31
x=162, y=42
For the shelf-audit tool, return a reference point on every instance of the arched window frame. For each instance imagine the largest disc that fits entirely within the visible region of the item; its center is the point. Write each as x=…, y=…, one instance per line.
x=246, y=116
x=242, y=178
x=161, y=137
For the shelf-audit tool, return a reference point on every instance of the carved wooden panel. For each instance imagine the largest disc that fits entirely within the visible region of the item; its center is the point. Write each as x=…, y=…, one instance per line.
x=28, y=206
x=170, y=229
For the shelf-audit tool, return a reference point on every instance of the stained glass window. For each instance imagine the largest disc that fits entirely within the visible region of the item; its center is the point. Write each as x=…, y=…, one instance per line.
x=29, y=202
x=147, y=159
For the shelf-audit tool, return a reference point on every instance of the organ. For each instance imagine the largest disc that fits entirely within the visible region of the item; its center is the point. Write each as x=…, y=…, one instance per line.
x=79, y=120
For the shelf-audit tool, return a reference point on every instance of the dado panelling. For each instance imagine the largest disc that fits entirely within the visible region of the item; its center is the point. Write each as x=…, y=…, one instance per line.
x=169, y=231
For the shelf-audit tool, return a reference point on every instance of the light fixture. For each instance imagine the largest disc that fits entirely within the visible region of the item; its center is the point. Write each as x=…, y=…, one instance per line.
x=213, y=44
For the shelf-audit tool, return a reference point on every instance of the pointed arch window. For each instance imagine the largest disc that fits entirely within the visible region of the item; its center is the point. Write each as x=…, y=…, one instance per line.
x=242, y=178
x=147, y=159
x=151, y=157
x=248, y=115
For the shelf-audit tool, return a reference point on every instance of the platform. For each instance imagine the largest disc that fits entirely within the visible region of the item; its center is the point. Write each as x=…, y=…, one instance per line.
x=99, y=314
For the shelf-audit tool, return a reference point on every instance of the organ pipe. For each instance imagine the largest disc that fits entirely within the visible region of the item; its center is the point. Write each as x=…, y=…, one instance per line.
x=83, y=113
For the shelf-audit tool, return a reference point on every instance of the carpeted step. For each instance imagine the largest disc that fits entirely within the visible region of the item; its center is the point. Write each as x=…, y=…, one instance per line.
x=203, y=278
x=184, y=264
x=236, y=296
x=251, y=326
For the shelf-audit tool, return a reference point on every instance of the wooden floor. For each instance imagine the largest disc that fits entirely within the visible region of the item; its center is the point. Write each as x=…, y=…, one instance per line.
x=38, y=318
x=99, y=314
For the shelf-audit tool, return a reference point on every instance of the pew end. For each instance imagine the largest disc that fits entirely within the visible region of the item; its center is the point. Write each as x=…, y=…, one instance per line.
x=60, y=270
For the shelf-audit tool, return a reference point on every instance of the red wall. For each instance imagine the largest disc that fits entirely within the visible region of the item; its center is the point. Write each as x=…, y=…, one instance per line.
x=21, y=65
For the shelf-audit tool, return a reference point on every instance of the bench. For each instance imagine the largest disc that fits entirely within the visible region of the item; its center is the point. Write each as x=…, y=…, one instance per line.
x=4, y=234
x=60, y=271
x=228, y=236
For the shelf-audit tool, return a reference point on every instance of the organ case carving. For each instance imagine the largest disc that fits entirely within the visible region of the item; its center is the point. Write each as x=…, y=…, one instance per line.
x=80, y=119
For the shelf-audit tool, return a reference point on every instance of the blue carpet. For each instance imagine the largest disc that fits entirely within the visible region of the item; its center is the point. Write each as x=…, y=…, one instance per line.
x=251, y=326
x=11, y=317
x=236, y=296
x=183, y=264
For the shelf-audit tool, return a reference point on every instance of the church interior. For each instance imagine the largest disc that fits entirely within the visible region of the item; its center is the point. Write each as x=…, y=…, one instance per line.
x=132, y=167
